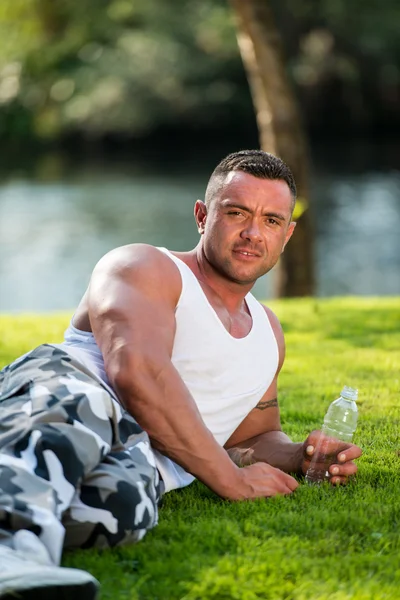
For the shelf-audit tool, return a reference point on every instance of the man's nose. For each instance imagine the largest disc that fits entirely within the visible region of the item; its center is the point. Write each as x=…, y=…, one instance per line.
x=252, y=231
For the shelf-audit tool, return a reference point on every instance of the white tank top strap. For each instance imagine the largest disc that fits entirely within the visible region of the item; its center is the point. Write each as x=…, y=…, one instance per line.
x=185, y=272
x=191, y=285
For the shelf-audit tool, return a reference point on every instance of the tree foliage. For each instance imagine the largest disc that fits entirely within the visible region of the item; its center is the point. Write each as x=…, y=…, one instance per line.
x=130, y=66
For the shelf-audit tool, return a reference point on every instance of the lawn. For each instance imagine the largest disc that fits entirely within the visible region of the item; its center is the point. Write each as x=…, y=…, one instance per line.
x=320, y=543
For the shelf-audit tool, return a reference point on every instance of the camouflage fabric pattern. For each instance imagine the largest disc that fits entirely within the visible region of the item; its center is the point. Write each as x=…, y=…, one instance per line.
x=75, y=467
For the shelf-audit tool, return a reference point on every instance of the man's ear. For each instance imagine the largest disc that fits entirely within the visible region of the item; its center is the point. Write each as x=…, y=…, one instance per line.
x=200, y=215
x=289, y=234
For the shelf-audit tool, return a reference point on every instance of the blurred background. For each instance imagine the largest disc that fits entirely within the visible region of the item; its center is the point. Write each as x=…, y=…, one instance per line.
x=113, y=114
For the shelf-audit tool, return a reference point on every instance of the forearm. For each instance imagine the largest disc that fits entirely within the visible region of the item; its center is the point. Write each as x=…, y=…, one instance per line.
x=274, y=448
x=162, y=405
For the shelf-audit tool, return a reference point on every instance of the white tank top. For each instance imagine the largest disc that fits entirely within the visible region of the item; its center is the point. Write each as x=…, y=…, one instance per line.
x=226, y=376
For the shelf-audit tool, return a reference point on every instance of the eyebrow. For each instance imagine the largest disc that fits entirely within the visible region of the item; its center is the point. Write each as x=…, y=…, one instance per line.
x=229, y=204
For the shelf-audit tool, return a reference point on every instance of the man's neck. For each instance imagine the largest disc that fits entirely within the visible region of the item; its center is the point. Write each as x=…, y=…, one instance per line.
x=230, y=292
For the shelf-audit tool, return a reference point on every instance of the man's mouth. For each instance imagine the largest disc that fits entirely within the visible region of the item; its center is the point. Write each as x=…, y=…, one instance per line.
x=248, y=253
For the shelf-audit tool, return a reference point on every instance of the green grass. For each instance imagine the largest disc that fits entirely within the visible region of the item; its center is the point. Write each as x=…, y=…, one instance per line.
x=320, y=543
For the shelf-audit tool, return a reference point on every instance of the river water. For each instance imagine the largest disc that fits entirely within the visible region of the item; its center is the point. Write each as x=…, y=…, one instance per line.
x=54, y=229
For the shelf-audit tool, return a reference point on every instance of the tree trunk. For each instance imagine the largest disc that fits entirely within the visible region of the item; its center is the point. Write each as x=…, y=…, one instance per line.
x=280, y=131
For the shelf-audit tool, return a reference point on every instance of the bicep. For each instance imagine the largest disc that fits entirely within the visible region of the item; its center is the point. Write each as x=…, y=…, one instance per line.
x=131, y=310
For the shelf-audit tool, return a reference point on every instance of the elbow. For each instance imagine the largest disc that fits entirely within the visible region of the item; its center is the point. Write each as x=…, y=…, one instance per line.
x=242, y=457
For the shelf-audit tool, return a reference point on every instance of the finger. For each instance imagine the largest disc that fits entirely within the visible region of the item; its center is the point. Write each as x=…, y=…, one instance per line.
x=284, y=485
x=350, y=453
x=287, y=479
x=338, y=480
x=324, y=446
x=345, y=470
x=327, y=448
x=314, y=437
x=285, y=490
x=321, y=455
x=290, y=482
x=312, y=442
x=344, y=450
x=273, y=480
x=310, y=450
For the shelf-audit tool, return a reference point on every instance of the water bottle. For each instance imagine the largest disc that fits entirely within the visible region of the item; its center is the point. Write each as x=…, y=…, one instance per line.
x=340, y=423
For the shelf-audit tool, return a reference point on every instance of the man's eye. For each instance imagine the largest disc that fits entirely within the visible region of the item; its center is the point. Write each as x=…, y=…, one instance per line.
x=272, y=221
x=235, y=212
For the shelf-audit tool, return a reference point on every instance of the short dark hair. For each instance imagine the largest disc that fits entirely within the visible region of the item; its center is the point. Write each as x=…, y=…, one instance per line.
x=254, y=162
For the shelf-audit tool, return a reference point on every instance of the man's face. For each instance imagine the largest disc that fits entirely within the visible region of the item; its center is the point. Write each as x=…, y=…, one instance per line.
x=246, y=226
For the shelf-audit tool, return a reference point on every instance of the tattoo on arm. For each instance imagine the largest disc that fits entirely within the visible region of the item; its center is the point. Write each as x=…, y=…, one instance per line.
x=263, y=404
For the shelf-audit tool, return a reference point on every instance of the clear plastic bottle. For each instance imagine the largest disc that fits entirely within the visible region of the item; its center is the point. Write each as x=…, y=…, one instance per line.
x=340, y=422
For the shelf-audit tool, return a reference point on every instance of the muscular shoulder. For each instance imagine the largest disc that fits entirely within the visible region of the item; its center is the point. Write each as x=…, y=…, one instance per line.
x=133, y=257
x=278, y=332
x=139, y=265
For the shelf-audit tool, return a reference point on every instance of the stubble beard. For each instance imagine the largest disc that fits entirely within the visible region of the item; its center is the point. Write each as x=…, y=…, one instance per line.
x=225, y=267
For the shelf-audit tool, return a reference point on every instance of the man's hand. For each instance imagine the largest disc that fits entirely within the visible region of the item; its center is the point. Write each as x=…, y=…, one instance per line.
x=333, y=456
x=260, y=480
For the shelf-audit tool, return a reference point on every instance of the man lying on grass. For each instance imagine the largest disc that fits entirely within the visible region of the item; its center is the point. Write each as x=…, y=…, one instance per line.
x=168, y=372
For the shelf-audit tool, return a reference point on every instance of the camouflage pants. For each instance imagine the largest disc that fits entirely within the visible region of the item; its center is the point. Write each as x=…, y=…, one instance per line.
x=75, y=468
